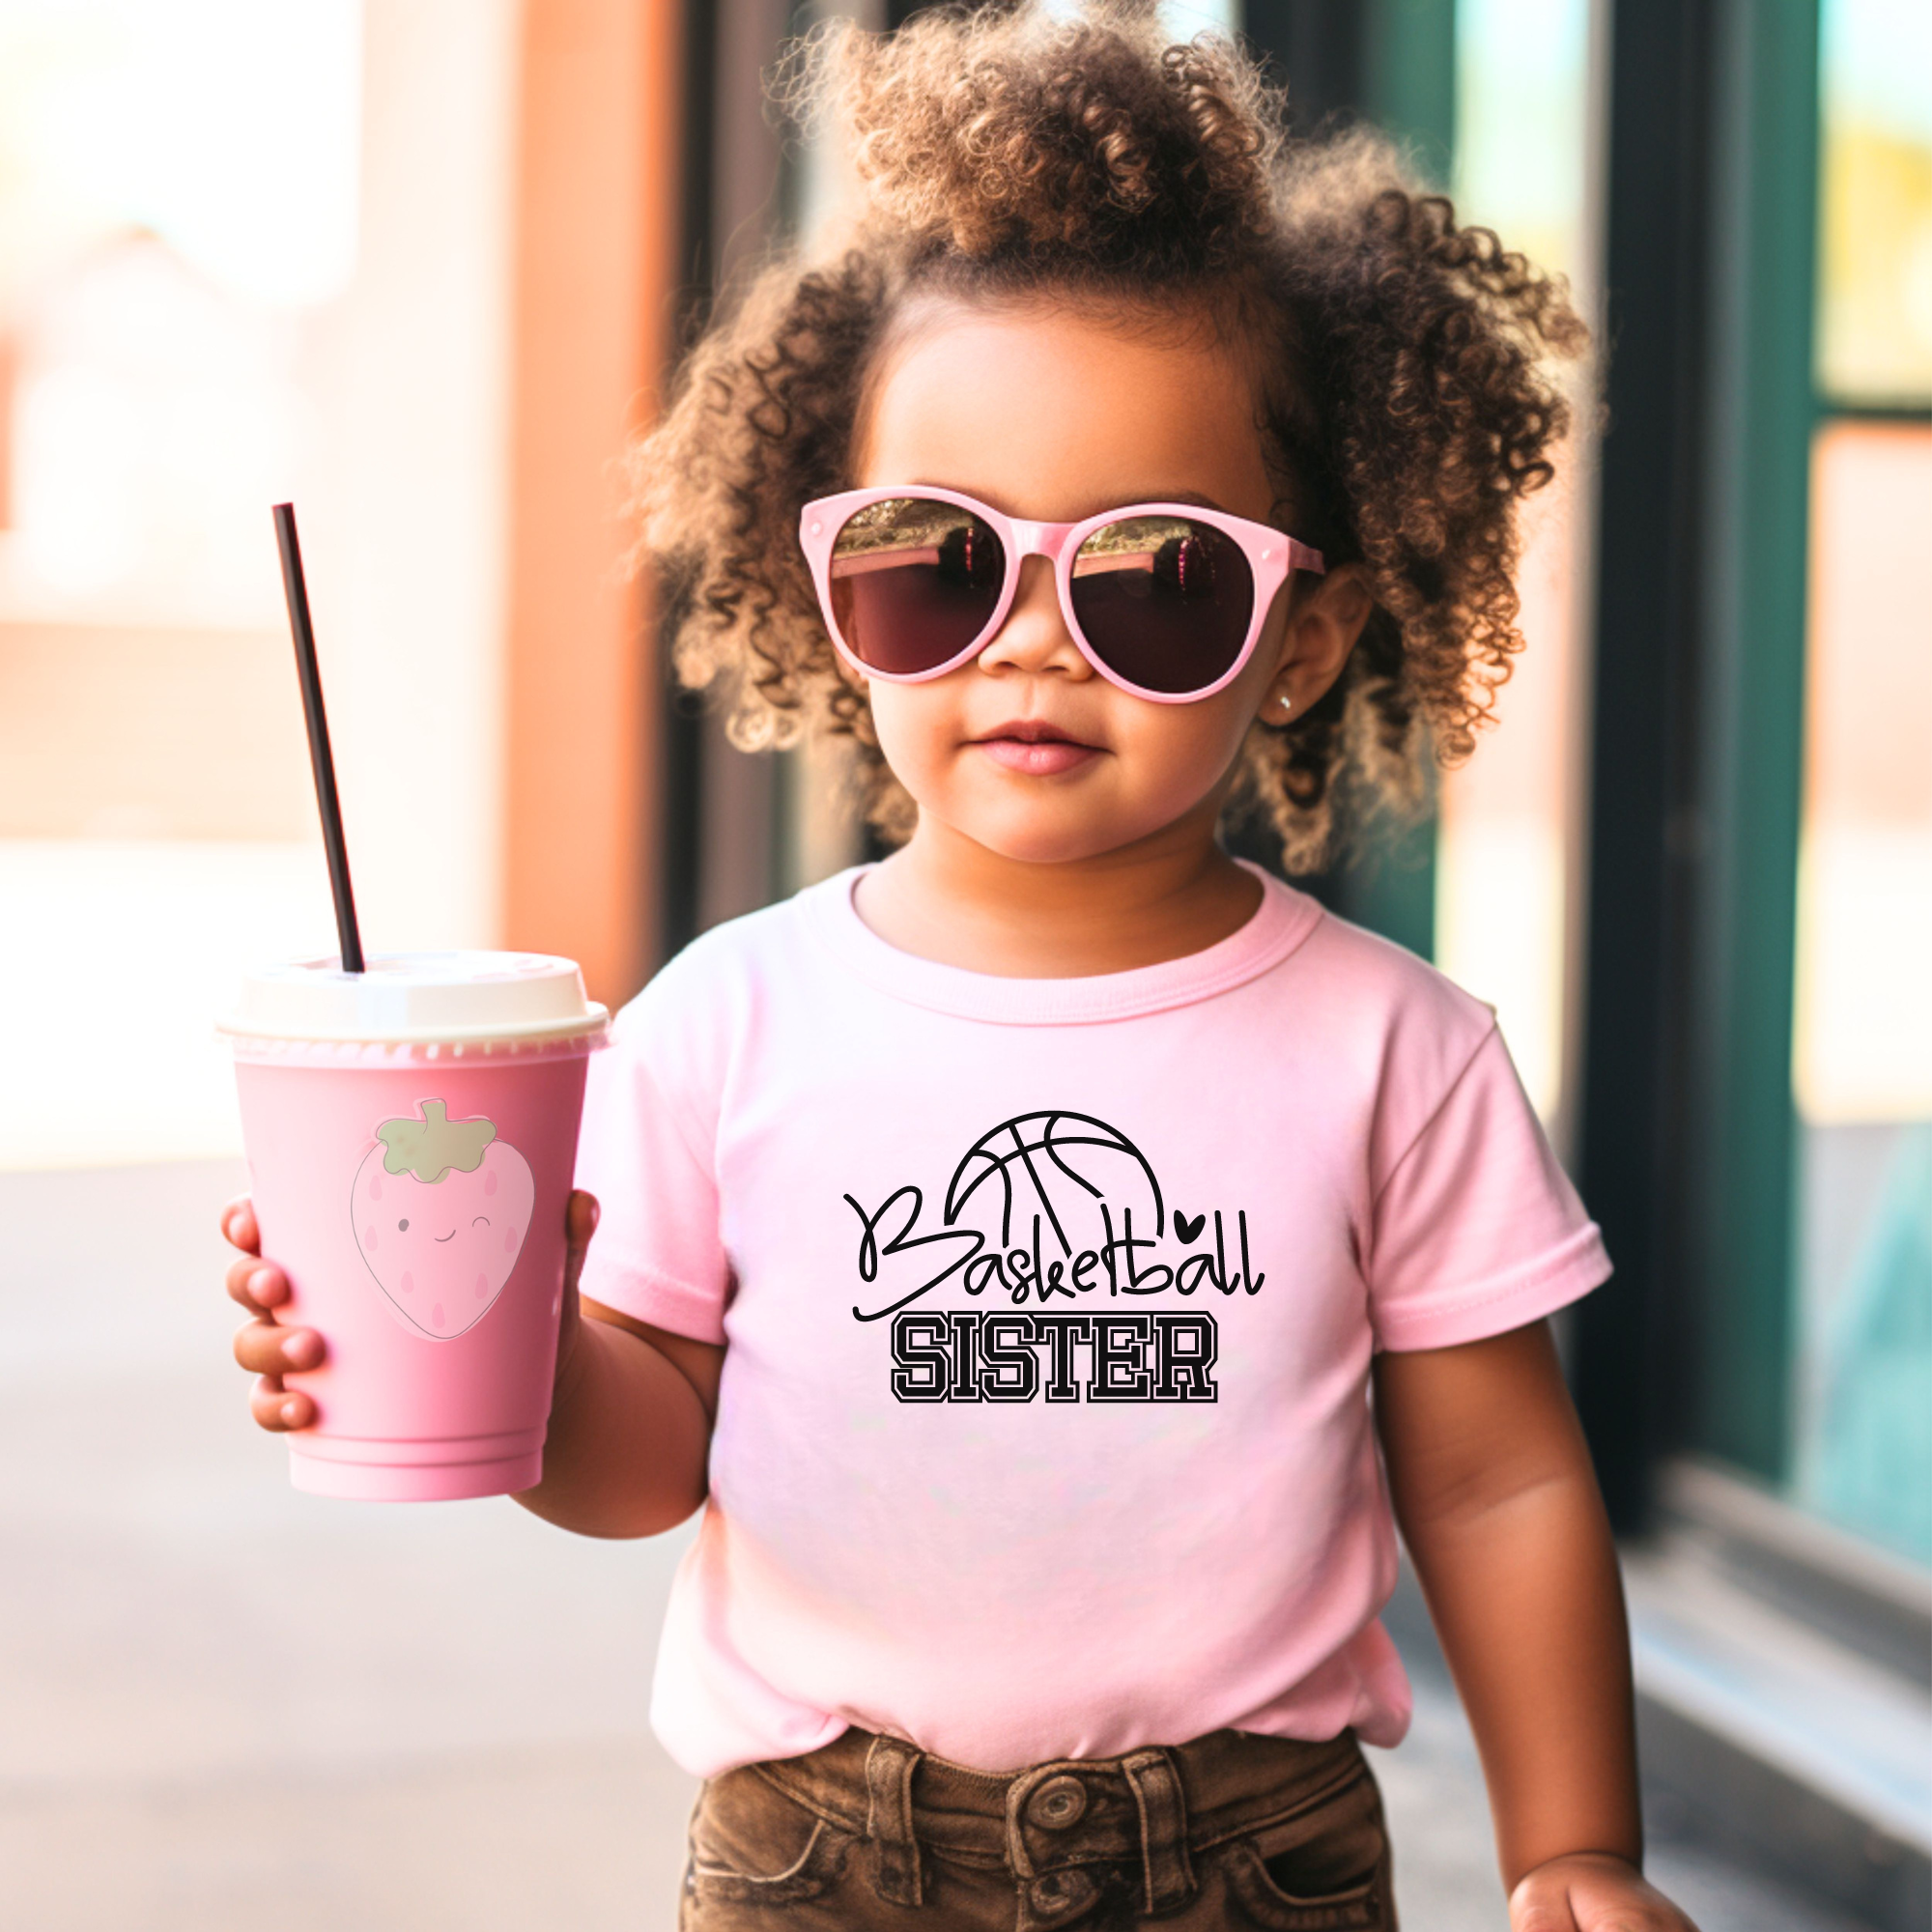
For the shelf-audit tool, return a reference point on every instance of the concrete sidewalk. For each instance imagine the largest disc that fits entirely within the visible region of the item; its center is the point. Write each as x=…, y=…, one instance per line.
x=227, y=1705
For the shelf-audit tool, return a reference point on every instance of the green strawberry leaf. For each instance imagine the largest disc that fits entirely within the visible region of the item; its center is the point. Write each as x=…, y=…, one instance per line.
x=429, y=1147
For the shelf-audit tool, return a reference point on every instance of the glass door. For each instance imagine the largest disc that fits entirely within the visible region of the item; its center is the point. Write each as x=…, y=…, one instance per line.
x=1861, y=1052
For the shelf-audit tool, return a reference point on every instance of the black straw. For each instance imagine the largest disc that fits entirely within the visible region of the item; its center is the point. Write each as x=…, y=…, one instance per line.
x=319, y=756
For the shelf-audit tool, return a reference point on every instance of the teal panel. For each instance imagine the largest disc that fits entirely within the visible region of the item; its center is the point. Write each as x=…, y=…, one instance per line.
x=1872, y=1445
x=1408, y=86
x=1386, y=882
x=1409, y=77
x=1751, y=701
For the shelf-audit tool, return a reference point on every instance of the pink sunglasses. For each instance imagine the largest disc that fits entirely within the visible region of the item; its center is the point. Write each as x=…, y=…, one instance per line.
x=1164, y=600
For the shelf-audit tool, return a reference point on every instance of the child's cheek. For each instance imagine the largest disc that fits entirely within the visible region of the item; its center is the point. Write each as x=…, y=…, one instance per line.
x=1174, y=754
x=918, y=726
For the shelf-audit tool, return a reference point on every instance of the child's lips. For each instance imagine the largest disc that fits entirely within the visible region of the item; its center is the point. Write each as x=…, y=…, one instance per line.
x=1036, y=751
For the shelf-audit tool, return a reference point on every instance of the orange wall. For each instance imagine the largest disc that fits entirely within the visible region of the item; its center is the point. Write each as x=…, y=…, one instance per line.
x=596, y=207
x=146, y=731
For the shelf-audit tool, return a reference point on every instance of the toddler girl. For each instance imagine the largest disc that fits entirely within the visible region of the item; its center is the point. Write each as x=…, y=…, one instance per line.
x=1051, y=1254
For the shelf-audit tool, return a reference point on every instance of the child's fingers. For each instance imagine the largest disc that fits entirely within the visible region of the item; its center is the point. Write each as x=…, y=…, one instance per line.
x=239, y=1226
x=579, y=1224
x=277, y=1408
x=265, y=1349
x=1591, y=1891
x=1541, y=1909
x=258, y=1286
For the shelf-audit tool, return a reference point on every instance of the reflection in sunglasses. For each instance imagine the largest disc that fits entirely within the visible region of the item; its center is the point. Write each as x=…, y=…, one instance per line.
x=1134, y=534
x=900, y=523
x=1123, y=559
x=1161, y=553
x=861, y=562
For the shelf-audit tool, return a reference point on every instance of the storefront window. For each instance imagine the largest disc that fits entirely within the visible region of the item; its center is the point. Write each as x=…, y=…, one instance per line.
x=1506, y=855
x=1863, y=1044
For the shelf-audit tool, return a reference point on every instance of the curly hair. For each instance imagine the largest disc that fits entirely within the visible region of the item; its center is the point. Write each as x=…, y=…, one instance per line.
x=1403, y=365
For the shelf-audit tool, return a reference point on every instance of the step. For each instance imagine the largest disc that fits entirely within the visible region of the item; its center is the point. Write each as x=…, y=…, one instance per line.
x=1780, y=1741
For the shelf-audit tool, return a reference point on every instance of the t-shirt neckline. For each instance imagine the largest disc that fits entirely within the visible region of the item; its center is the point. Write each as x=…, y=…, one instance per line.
x=1278, y=925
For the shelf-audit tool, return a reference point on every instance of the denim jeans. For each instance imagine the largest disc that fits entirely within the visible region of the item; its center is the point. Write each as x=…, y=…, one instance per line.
x=1233, y=1830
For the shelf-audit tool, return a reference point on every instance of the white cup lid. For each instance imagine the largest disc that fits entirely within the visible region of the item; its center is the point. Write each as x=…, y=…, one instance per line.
x=411, y=998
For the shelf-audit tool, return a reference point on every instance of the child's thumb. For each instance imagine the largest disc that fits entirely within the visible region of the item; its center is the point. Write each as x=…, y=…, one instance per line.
x=579, y=1224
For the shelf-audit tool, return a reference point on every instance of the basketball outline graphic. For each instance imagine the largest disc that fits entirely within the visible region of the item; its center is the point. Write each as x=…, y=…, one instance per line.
x=1039, y=1134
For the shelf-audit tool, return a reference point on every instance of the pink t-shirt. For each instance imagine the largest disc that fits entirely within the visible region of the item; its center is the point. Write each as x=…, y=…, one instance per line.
x=1049, y=1306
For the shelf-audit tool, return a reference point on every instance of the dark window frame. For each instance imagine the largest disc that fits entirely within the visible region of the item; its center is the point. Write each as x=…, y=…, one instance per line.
x=1685, y=1123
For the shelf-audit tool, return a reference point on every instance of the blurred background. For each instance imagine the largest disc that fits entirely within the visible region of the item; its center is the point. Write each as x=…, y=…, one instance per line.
x=423, y=266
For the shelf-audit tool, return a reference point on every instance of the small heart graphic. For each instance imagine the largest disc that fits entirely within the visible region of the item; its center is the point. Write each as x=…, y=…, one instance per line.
x=1186, y=1226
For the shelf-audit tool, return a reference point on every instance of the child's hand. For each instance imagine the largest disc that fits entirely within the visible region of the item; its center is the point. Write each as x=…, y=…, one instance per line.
x=1591, y=1891
x=264, y=1346
x=580, y=1222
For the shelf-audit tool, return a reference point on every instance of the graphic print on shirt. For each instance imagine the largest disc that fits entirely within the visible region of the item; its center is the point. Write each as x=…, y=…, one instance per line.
x=1049, y=1207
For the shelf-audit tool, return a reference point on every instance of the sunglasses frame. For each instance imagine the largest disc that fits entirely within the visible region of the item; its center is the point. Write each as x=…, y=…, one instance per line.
x=1272, y=555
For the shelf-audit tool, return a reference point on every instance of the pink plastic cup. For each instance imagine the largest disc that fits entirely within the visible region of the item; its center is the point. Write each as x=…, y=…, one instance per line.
x=410, y=1134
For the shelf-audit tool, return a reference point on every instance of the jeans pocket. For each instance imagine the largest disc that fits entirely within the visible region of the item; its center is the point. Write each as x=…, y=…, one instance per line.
x=1326, y=1870
x=753, y=1845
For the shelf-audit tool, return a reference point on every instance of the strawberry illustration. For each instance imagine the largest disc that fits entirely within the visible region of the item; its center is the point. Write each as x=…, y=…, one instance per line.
x=440, y=1209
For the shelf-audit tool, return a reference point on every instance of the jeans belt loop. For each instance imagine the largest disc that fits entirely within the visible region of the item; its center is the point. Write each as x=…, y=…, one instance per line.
x=889, y=1769
x=1165, y=1867
x=1019, y=1859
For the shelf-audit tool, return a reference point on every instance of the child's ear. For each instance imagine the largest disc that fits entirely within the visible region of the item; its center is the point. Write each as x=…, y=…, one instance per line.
x=1323, y=622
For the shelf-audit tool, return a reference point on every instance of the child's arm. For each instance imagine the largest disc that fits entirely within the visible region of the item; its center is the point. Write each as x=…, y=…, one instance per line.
x=1498, y=1504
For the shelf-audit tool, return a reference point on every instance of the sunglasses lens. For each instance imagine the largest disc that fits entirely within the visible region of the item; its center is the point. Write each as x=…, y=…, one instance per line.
x=1165, y=602
x=914, y=582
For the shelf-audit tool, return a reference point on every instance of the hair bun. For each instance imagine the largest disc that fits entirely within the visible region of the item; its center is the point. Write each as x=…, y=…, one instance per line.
x=1025, y=132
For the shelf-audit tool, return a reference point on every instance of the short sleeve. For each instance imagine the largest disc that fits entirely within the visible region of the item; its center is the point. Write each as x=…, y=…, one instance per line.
x=1477, y=1230
x=657, y=1253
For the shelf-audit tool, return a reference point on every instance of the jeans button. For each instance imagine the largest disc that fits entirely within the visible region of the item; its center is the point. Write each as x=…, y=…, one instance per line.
x=1058, y=1804
x=1060, y=1893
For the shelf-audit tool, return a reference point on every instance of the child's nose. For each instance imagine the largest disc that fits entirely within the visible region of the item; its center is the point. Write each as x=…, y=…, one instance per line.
x=1035, y=638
